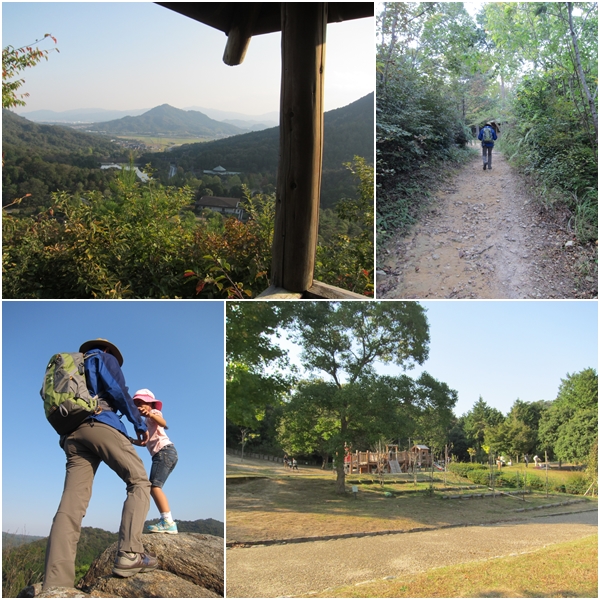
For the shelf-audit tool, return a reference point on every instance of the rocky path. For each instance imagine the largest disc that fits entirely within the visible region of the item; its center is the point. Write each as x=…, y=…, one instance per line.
x=483, y=237
x=297, y=570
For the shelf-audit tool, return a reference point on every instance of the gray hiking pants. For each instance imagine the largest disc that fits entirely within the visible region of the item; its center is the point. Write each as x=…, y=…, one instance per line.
x=486, y=152
x=90, y=444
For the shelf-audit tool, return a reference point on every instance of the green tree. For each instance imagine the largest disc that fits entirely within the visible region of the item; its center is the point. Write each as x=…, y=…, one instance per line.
x=479, y=420
x=343, y=341
x=569, y=427
x=254, y=376
x=346, y=260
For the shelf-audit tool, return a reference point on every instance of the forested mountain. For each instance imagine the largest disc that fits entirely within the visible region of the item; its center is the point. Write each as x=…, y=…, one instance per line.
x=170, y=121
x=40, y=159
x=348, y=133
x=52, y=140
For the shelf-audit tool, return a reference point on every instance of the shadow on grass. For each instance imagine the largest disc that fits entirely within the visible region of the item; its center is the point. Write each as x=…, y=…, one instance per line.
x=318, y=510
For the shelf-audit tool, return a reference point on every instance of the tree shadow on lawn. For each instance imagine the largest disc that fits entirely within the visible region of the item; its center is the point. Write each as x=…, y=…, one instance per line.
x=289, y=507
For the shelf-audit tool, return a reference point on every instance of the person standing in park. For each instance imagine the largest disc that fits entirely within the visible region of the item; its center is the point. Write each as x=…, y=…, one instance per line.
x=487, y=136
x=102, y=437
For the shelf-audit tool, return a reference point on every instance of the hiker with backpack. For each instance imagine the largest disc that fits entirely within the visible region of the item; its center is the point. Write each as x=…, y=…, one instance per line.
x=164, y=457
x=83, y=394
x=487, y=136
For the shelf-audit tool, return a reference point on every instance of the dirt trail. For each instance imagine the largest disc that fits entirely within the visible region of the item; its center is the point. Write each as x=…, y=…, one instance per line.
x=483, y=237
x=297, y=570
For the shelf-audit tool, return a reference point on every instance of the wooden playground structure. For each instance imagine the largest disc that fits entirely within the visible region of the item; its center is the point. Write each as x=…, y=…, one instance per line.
x=392, y=460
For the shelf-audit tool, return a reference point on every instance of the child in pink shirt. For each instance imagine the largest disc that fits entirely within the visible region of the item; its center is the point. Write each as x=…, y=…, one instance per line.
x=164, y=457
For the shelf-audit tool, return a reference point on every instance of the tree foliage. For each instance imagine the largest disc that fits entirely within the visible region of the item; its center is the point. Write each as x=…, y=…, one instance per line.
x=552, y=125
x=569, y=428
x=14, y=61
x=427, y=91
x=342, y=342
x=254, y=381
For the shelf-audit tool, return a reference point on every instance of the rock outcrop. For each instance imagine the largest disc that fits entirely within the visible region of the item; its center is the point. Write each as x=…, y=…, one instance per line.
x=190, y=565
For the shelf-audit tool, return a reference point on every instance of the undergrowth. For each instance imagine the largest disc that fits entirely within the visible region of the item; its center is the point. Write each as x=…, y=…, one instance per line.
x=402, y=196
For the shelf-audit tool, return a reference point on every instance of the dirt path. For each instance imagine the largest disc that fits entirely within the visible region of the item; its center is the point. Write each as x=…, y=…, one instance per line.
x=298, y=570
x=483, y=237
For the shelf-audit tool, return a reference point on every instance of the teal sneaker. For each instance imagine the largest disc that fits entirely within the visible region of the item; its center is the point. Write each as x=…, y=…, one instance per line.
x=163, y=527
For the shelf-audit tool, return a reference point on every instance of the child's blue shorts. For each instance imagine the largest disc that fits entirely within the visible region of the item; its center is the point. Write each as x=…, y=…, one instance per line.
x=163, y=462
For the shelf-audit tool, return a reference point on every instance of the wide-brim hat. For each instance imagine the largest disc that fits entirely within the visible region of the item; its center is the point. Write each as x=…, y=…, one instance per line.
x=102, y=343
x=147, y=396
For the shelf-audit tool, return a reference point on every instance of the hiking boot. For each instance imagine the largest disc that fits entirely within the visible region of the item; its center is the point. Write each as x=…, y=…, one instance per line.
x=163, y=527
x=131, y=563
x=484, y=166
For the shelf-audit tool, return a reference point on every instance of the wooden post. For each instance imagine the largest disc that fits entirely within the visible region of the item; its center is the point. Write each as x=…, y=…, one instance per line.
x=303, y=30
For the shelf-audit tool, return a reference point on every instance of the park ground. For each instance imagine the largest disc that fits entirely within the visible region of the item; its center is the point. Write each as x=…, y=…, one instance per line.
x=485, y=235
x=290, y=535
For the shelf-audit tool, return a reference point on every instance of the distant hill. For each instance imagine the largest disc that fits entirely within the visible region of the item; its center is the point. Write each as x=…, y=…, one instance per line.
x=12, y=540
x=79, y=115
x=24, y=565
x=206, y=526
x=168, y=121
x=348, y=132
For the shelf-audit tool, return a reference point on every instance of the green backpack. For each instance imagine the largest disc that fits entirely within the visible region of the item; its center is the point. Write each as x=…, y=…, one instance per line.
x=67, y=401
x=488, y=136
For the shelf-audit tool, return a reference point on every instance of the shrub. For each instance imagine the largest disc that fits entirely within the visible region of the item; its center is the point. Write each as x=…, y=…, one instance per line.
x=463, y=469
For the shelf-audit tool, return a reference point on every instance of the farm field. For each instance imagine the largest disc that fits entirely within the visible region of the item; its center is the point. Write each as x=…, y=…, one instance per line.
x=162, y=143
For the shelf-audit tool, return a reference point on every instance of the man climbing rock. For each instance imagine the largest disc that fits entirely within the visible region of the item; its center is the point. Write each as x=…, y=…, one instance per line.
x=487, y=136
x=102, y=437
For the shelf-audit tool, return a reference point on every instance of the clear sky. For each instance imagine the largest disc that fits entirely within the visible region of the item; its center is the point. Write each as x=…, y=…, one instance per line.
x=174, y=348
x=134, y=55
x=504, y=350
x=509, y=350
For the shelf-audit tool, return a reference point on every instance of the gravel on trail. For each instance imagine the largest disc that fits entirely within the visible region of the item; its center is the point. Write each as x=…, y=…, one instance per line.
x=484, y=236
x=297, y=570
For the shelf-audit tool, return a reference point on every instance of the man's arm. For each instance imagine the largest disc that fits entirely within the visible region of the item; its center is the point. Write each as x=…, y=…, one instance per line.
x=114, y=383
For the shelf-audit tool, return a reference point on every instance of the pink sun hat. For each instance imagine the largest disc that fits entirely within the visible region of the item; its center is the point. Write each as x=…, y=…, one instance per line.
x=147, y=396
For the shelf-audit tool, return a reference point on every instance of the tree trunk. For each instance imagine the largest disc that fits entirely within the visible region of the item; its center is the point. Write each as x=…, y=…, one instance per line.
x=340, y=482
x=580, y=72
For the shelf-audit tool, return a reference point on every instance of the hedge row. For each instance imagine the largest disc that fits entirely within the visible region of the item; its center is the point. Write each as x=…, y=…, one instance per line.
x=574, y=483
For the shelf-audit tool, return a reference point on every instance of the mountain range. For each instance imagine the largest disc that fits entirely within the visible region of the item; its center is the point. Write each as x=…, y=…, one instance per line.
x=100, y=115
x=348, y=132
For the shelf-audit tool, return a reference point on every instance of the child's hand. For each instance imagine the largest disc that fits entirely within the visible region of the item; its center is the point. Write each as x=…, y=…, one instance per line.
x=144, y=410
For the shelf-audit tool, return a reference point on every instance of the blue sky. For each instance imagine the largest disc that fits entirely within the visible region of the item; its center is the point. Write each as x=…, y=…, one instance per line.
x=504, y=350
x=174, y=348
x=133, y=55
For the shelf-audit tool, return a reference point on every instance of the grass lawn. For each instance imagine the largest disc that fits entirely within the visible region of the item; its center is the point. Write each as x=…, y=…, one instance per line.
x=267, y=502
x=567, y=570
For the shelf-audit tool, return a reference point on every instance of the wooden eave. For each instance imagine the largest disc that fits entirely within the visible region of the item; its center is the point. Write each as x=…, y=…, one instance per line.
x=224, y=16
